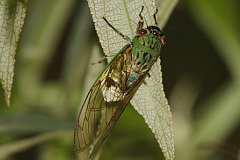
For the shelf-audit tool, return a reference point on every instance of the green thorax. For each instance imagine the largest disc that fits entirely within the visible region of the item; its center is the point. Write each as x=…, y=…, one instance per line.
x=146, y=49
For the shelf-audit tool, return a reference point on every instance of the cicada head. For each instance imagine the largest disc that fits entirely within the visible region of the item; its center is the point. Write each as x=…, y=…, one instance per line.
x=153, y=32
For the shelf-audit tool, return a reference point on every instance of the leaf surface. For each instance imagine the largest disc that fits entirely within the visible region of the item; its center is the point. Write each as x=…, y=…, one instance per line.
x=12, y=14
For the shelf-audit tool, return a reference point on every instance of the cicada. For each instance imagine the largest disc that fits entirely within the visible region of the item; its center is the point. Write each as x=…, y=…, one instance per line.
x=115, y=87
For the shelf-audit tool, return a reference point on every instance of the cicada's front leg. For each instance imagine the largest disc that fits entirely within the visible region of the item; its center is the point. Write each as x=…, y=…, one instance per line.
x=140, y=22
x=155, y=17
x=118, y=32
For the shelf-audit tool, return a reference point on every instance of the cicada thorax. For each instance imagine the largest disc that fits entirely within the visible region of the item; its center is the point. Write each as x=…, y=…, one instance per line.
x=146, y=50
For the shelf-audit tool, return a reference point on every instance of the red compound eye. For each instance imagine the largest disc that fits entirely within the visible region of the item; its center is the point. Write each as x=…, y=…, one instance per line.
x=142, y=32
x=164, y=40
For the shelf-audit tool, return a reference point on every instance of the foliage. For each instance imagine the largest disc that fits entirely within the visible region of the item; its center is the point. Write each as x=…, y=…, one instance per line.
x=53, y=73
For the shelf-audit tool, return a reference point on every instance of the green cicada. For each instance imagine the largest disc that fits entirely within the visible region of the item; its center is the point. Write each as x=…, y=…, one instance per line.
x=115, y=87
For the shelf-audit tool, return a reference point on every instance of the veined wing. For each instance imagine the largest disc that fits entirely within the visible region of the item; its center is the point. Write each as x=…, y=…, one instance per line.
x=105, y=102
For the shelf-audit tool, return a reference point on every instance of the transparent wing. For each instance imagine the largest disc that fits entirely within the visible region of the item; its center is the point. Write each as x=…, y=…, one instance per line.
x=105, y=102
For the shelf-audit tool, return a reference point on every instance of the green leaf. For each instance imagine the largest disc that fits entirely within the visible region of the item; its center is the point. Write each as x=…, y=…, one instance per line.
x=32, y=124
x=12, y=14
x=220, y=114
x=150, y=99
x=220, y=20
x=14, y=147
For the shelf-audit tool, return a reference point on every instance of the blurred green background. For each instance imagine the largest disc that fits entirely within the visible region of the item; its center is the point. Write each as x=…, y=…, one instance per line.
x=200, y=66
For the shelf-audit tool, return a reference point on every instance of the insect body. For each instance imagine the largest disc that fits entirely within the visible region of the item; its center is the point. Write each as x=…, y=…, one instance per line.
x=115, y=87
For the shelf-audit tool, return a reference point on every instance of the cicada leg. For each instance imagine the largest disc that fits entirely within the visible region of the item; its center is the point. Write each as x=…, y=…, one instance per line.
x=118, y=32
x=140, y=22
x=155, y=17
x=109, y=55
x=144, y=82
x=99, y=61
